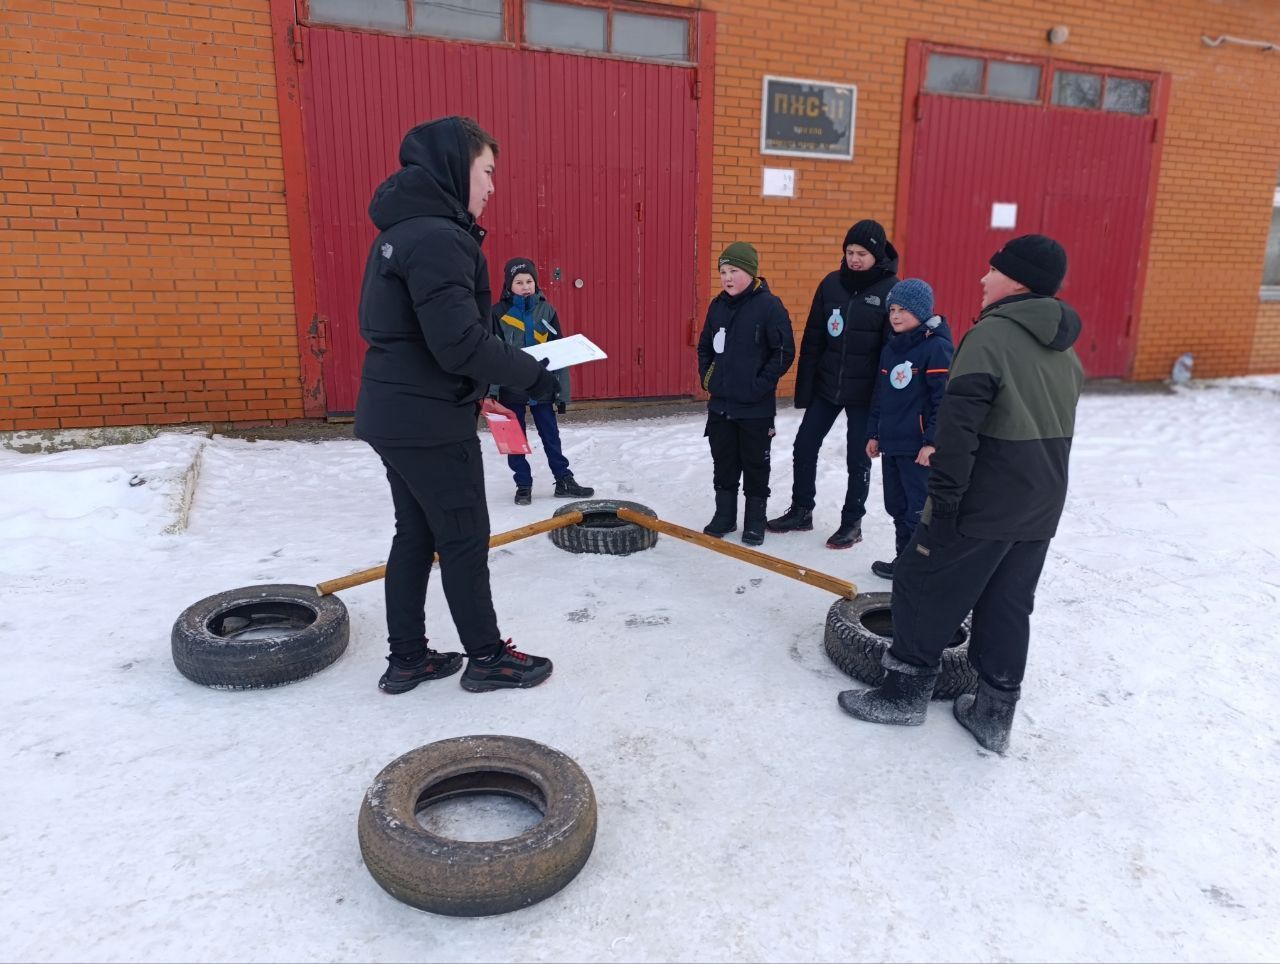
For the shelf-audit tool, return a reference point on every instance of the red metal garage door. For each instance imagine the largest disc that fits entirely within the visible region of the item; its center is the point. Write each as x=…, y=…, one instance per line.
x=596, y=182
x=1076, y=156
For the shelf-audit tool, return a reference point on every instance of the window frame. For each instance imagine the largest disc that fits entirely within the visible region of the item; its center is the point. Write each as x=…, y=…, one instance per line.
x=513, y=28
x=1121, y=75
x=1268, y=292
x=987, y=59
x=1049, y=67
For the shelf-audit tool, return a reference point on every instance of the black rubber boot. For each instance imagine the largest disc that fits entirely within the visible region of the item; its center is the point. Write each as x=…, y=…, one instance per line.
x=882, y=569
x=901, y=700
x=726, y=518
x=988, y=715
x=753, y=522
x=846, y=536
x=568, y=488
x=405, y=672
x=507, y=669
x=795, y=519
x=524, y=494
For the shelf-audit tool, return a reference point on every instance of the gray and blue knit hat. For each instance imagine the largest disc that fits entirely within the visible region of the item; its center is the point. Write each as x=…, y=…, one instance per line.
x=915, y=296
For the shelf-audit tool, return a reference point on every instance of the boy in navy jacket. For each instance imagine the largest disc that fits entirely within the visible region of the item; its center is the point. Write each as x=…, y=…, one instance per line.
x=904, y=410
x=746, y=346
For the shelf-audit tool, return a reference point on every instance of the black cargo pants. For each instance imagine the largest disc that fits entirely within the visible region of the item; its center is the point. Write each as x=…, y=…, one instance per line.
x=440, y=507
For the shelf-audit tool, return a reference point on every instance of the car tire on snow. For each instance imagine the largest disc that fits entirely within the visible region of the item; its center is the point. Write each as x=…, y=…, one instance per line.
x=601, y=531
x=259, y=636
x=859, y=631
x=465, y=878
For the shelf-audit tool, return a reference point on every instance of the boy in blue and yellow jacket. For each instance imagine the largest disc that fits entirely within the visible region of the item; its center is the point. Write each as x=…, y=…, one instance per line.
x=909, y=388
x=525, y=317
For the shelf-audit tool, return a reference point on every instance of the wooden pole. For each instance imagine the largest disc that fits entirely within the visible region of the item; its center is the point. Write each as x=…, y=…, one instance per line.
x=501, y=539
x=781, y=566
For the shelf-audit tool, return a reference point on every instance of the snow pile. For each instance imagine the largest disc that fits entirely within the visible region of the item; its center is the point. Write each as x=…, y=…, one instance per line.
x=742, y=815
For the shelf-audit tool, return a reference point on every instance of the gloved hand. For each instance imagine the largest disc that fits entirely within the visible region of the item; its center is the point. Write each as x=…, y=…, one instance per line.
x=546, y=388
x=942, y=525
x=560, y=406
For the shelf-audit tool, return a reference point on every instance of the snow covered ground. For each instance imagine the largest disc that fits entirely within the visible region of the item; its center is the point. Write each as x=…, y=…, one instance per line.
x=742, y=816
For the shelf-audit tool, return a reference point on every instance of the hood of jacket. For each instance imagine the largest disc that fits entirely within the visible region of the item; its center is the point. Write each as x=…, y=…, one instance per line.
x=734, y=302
x=434, y=179
x=886, y=267
x=1049, y=321
x=935, y=327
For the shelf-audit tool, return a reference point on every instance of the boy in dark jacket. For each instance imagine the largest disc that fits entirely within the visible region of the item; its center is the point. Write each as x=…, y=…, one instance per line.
x=848, y=325
x=904, y=410
x=525, y=317
x=997, y=486
x=745, y=348
x=424, y=313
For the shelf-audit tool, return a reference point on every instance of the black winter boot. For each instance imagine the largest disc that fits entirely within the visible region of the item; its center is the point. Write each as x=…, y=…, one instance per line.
x=902, y=699
x=882, y=569
x=726, y=518
x=753, y=522
x=846, y=536
x=524, y=494
x=989, y=715
x=568, y=488
x=795, y=519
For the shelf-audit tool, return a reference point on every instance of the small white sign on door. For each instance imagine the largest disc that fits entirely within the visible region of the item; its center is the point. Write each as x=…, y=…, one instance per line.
x=779, y=182
x=1004, y=215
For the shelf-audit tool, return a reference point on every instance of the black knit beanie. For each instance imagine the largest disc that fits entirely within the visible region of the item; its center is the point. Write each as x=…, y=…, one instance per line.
x=517, y=266
x=870, y=235
x=1033, y=260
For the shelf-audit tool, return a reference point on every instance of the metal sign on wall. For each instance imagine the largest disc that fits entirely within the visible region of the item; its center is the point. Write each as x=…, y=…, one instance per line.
x=807, y=118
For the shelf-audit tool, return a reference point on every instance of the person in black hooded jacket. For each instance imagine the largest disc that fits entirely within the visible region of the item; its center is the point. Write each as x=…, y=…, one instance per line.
x=847, y=327
x=432, y=355
x=746, y=345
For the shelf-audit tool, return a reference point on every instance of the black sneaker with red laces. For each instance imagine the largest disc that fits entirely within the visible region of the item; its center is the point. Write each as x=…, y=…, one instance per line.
x=403, y=674
x=507, y=669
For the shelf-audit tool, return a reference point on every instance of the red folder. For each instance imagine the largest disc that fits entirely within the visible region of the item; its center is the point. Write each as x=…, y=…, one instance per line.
x=504, y=428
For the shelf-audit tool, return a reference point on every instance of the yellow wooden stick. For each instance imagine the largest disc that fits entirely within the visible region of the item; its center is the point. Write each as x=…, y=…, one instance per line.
x=781, y=566
x=501, y=539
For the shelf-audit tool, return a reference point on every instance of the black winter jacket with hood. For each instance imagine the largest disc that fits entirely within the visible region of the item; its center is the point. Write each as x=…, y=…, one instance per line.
x=756, y=351
x=847, y=327
x=424, y=305
x=1006, y=422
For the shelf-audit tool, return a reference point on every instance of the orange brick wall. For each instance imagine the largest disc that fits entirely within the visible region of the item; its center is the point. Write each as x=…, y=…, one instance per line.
x=144, y=257
x=144, y=254
x=1266, y=341
x=1221, y=145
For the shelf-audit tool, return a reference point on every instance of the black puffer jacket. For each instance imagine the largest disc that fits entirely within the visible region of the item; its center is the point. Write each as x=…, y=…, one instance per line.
x=756, y=351
x=424, y=306
x=847, y=327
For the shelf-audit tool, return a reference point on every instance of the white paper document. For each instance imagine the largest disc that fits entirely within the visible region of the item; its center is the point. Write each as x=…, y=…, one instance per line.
x=1004, y=215
x=564, y=352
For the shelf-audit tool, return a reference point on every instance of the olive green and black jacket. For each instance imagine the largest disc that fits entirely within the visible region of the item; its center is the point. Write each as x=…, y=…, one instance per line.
x=1006, y=421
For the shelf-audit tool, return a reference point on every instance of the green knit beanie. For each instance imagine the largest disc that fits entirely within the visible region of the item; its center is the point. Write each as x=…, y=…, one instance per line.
x=741, y=255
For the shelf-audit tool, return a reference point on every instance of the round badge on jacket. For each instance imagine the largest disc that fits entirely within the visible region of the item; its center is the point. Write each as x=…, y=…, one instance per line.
x=835, y=324
x=900, y=376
